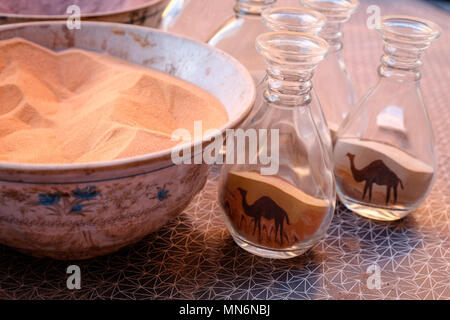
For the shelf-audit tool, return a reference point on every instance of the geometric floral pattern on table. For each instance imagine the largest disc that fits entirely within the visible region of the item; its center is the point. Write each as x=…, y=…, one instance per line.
x=194, y=257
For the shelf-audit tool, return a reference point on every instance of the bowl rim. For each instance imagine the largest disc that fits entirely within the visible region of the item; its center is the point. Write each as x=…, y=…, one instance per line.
x=148, y=4
x=162, y=154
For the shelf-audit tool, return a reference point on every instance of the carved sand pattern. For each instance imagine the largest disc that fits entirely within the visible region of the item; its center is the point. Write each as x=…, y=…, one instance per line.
x=375, y=172
x=267, y=208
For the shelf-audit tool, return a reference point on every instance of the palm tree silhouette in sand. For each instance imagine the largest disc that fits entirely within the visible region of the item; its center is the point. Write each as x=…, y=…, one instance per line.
x=376, y=172
x=267, y=208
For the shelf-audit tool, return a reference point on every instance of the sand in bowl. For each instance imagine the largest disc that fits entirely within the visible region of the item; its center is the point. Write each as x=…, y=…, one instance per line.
x=379, y=175
x=77, y=106
x=270, y=211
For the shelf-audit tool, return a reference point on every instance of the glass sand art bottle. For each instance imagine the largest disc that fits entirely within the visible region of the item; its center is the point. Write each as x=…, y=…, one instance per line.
x=385, y=160
x=277, y=191
x=237, y=36
x=331, y=80
x=296, y=20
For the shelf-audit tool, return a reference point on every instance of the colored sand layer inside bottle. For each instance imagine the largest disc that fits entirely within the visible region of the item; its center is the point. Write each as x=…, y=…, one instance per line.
x=381, y=175
x=270, y=212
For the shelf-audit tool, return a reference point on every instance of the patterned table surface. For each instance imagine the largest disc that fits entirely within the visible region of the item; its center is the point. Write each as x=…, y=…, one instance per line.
x=194, y=257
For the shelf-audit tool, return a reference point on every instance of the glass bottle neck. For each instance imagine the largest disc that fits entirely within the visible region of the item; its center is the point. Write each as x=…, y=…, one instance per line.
x=400, y=61
x=289, y=88
x=252, y=7
x=291, y=58
x=332, y=32
x=405, y=40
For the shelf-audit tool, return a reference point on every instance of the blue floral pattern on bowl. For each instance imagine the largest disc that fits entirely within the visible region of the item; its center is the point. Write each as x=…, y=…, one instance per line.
x=81, y=199
x=49, y=199
x=86, y=193
x=162, y=194
x=61, y=202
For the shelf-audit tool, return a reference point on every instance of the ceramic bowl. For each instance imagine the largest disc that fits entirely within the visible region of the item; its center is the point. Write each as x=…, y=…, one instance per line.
x=84, y=210
x=142, y=13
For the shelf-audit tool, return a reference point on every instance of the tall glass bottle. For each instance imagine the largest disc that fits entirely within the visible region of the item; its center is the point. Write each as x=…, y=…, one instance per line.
x=385, y=160
x=277, y=191
x=332, y=81
x=237, y=36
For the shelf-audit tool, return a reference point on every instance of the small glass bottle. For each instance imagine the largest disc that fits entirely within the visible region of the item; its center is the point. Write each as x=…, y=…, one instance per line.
x=385, y=160
x=280, y=208
x=331, y=80
x=237, y=36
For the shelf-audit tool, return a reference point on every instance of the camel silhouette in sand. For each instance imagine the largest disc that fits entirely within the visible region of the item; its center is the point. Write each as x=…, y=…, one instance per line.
x=267, y=208
x=376, y=172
